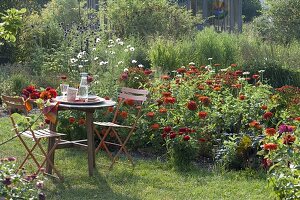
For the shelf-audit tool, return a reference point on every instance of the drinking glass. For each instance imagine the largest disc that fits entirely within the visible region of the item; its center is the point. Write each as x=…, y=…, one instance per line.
x=83, y=92
x=64, y=89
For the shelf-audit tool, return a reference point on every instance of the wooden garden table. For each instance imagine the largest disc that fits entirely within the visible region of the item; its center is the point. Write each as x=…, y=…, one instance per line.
x=89, y=111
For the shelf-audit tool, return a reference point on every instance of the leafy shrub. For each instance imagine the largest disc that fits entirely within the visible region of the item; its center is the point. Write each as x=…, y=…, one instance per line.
x=18, y=185
x=149, y=18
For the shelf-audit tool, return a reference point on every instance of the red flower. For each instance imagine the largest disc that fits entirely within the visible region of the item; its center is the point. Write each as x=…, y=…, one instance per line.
x=81, y=121
x=264, y=107
x=124, y=114
x=267, y=115
x=217, y=65
x=201, y=87
x=52, y=92
x=270, y=131
x=202, y=114
x=90, y=78
x=165, y=77
x=297, y=119
x=183, y=130
x=166, y=94
x=289, y=139
x=170, y=100
x=181, y=70
x=205, y=100
x=192, y=105
x=172, y=135
x=150, y=114
x=167, y=129
x=255, y=76
x=162, y=110
x=202, y=140
x=238, y=73
x=129, y=102
x=147, y=71
x=233, y=65
x=155, y=126
x=186, y=138
x=72, y=120
x=164, y=135
x=209, y=82
x=242, y=97
x=270, y=146
x=110, y=109
x=34, y=95
x=47, y=121
x=266, y=163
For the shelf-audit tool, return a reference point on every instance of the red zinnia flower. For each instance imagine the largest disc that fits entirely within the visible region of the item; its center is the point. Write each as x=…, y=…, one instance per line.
x=166, y=94
x=201, y=87
x=202, y=140
x=238, y=73
x=205, y=100
x=63, y=77
x=270, y=131
x=110, y=109
x=164, y=135
x=162, y=110
x=183, y=130
x=81, y=121
x=264, y=107
x=242, y=97
x=202, y=114
x=186, y=138
x=155, y=126
x=47, y=121
x=147, y=71
x=167, y=129
x=289, y=139
x=172, y=135
x=129, y=102
x=165, y=77
x=170, y=100
x=255, y=76
x=72, y=120
x=150, y=114
x=233, y=65
x=192, y=105
x=124, y=114
x=209, y=82
x=270, y=146
x=181, y=70
x=267, y=115
x=217, y=65
x=297, y=119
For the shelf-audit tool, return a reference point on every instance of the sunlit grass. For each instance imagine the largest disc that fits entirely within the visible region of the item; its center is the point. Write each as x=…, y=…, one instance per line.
x=149, y=179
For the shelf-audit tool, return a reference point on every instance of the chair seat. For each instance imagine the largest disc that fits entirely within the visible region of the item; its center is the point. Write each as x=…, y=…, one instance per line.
x=43, y=133
x=110, y=124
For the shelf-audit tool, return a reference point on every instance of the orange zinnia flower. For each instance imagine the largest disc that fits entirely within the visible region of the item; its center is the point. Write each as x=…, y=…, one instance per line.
x=270, y=131
x=124, y=114
x=289, y=139
x=270, y=146
x=81, y=121
x=162, y=110
x=202, y=114
x=129, y=102
x=155, y=126
x=150, y=114
x=165, y=77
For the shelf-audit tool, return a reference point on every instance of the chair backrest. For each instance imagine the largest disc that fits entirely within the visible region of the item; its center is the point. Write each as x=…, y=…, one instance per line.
x=14, y=103
x=134, y=94
x=138, y=96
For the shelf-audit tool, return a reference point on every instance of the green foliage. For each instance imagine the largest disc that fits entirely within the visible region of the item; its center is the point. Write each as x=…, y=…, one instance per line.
x=11, y=21
x=251, y=9
x=149, y=18
x=284, y=16
x=18, y=185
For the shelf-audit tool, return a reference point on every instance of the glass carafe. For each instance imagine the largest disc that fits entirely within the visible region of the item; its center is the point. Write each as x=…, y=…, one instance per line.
x=83, y=87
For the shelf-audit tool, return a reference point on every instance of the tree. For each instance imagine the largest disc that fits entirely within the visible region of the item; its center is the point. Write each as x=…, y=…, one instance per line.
x=251, y=9
x=11, y=21
x=285, y=17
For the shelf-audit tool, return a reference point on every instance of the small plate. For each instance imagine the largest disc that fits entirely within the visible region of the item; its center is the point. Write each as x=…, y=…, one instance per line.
x=92, y=97
x=79, y=102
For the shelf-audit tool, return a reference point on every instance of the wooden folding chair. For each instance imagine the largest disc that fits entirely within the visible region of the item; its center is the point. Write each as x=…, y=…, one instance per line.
x=134, y=99
x=36, y=135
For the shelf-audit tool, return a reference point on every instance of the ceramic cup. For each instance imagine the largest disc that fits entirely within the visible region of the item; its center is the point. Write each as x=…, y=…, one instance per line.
x=71, y=94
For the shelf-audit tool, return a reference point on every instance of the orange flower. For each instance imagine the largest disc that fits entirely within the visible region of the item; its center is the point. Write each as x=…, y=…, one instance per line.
x=181, y=70
x=205, y=100
x=289, y=139
x=297, y=119
x=255, y=76
x=191, y=105
x=270, y=146
x=202, y=114
x=217, y=89
x=233, y=65
x=217, y=65
x=81, y=121
x=124, y=114
x=170, y=100
x=270, y=131
x=201, y=87
x=150, y=114
x=166, y=94
x=242, y=97
x=110, y=109
x=72, y=120
x=155, y=126
x=129, y=102
x=162, y=110
x=45, y=95
x=264, y=107
x=267, y=115
x=255, y=124
x=165, y=77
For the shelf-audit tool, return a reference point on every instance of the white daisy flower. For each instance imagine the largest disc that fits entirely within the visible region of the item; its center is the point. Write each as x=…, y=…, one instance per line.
x=246, y=73
x=128, y=46
x=261, y=71
x=112, y=52
x=120, y=62
x=121, y=43
x=96, y=58
x=133, y=61
x=191, y=63
x=118, y=40
x=209, y=58
x=94, y=49
x=98, y=40
x=80, y=66
x=140, y=66
x=223, y=70
x=126, y=70
x=131, y=49
x=111, y=41
x=126, y=50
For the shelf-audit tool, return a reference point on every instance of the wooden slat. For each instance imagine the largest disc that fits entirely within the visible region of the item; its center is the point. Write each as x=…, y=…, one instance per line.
x=112, y=143
x=111, y=124
x=133, y=97
x=134, y=91
x=16, y=100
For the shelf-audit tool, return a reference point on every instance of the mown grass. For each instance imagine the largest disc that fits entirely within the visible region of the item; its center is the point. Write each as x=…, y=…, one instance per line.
x=150, y=179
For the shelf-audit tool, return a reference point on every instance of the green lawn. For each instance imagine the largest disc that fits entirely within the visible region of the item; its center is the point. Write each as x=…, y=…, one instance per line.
x=150, y=179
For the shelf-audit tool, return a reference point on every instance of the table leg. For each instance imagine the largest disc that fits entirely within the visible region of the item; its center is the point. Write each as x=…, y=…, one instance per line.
x=51, y=142
x=90, y=141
